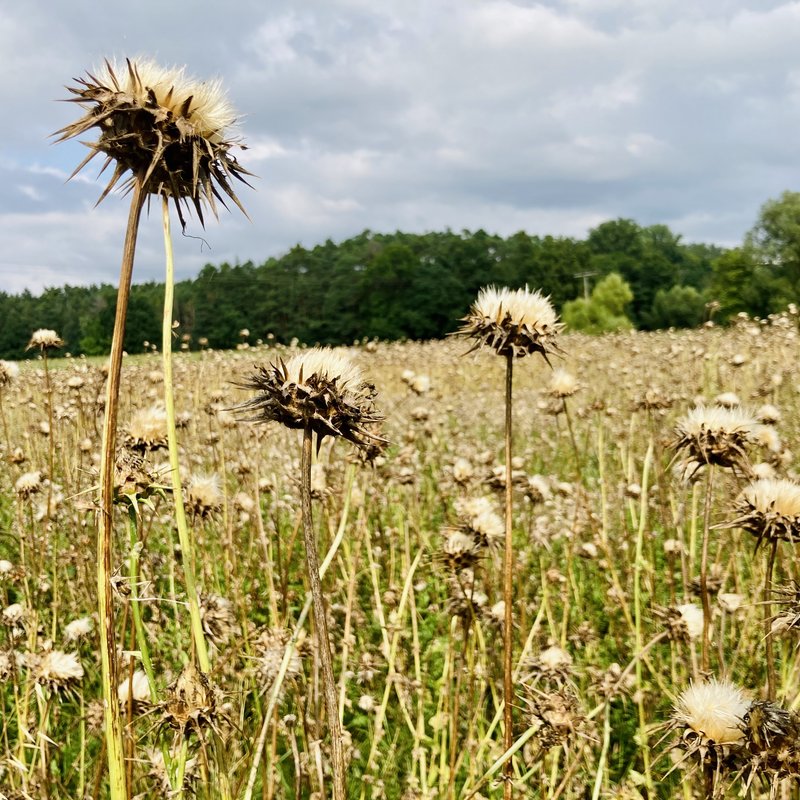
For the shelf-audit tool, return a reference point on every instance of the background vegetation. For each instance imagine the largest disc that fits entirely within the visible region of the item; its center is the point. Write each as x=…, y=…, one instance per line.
x=416, y=286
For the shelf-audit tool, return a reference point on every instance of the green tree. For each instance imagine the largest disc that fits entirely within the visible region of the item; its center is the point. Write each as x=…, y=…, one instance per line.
x=678, y=307
x=604, y=311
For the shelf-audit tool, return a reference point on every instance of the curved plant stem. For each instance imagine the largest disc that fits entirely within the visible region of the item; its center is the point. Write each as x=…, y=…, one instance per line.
x=508, y=590
x=320, y=622
x=184, y=536
x=113, y=723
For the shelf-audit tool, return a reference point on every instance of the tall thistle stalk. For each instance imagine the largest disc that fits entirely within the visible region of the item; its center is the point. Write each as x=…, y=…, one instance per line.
x=508, y=582
x=105, y=566
x=514, y=324
x=184, y=536
x=318, y=392
x=164, y=134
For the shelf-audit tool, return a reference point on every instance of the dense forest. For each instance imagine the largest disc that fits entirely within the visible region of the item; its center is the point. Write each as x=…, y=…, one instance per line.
x=417, y=286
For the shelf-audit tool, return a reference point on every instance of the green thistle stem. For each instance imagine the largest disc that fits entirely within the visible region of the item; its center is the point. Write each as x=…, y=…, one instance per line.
x=108, y=655
x=184, y=537
x=770, y=645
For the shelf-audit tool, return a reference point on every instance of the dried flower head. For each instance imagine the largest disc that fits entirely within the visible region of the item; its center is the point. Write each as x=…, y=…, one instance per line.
x=203, y=495
x=147, y=429
x=191, y=703
x=9, y=371
x=269, y=650
x=134, y=689
x=562, y=384
x=44, y=339
x=56, y=668
x=318, y=388
x=218, y=618
x=711, y=713
x=769, y=509
x=459, y=551
x=513, y=322
x=165, y=128
x=29, y=483
x=555, y=716
x=78, y=629
x=682, y=623
x=716, y=435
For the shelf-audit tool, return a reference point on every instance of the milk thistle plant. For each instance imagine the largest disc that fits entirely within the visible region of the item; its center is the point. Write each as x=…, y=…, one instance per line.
x=514, y=323
x=712, y=437
x=770, y=510
x=321, y=393
x=165, y=134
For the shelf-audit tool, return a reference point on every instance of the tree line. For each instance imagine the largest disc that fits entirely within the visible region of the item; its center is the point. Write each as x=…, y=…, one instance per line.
x=417, y=286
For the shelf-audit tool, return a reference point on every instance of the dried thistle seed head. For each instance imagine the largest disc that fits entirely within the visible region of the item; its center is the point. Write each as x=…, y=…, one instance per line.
x=711, y=713
x=166, y=129
x=768, y=414
x=562, y=384
x=463, y=471
x=513, y=322
x=203, y=495
x=134, y=689
x=716, y=435
x=319, y=389
x=56, y=669
x=190, y=703
x=269, y=651
x=147, y=429
x=555, y=716
x=132, y=479
x=682, y=623
x=9, y=371
x=553, y=664
x=769, y=509
x=459, y=550
x=78, y=629
x=29, y=483
x=218, y=618
x=44, y=339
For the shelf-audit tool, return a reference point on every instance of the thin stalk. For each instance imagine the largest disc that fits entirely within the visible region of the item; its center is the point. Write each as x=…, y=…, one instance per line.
x=186, y=542
x=705, y=598
x=770, y=645
x=320, y=622
x=637, y=615
x=108, y=655
x=508, y=593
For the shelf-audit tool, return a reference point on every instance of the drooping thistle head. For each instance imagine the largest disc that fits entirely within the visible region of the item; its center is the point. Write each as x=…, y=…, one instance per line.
x=716, y=435
x=166, y=129
x=513, y=322
x=44, y=339
x=769, y=509
x=319, y=389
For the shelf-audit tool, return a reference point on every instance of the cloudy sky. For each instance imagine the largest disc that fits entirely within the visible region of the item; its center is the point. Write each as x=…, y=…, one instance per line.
x=416, y=115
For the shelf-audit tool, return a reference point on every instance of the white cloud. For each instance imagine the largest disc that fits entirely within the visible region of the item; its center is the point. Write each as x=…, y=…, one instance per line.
x=550, y=116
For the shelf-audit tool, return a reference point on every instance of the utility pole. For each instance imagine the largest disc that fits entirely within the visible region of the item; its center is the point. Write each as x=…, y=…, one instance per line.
x=585, y=276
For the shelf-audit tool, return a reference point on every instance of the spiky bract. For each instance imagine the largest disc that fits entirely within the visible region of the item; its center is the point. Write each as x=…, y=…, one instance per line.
x=167, y=130
x=513, y=322
x=317, y=388
x=769, y=509
x=716, y=435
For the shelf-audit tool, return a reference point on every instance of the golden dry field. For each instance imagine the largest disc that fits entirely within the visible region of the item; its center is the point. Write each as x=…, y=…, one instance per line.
x=643, y=547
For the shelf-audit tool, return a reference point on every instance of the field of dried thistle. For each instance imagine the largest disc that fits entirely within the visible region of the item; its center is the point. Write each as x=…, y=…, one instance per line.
x=641, y=664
